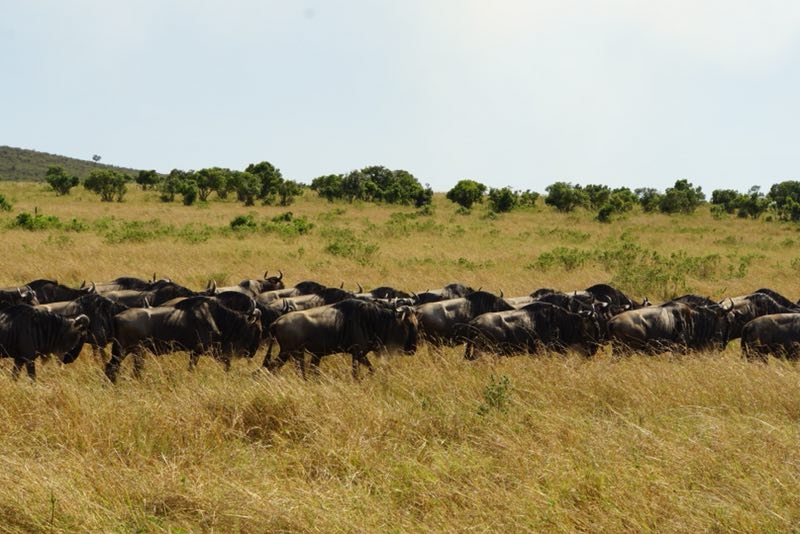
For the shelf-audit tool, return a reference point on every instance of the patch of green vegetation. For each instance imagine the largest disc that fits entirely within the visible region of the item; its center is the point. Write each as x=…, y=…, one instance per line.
x=564, y=234
x=343, y=242
x=138, y=231
x=565, y=258
x=35, y=221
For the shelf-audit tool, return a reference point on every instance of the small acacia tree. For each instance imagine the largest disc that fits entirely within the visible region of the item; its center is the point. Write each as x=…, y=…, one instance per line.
x=147, y=179
x=58, y=179
x=108, y=183
x=565, y=197
x=466, y=193
x=502, y=200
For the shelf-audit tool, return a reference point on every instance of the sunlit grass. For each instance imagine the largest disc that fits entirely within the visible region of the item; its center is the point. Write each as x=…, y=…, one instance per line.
x=428, y=443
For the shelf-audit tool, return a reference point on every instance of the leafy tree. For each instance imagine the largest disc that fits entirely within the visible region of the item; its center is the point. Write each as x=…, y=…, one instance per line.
x=649, y=198
x=727, y=198
x=147, y=179
x=354, y=186
x=108, y=183
x=270, y=178
x=502, y=200
x=597, y=195
x=423, y=197
x=174, y=184
x=246, y=185
x=58, y=179
x=752, y=204
x=287, y=191
x=682, y=198
x=785, y=197
x=620, y=200
x=466, y=192
x=210, y=180
x=328, y=187
x=527, y=198
x=565, y=197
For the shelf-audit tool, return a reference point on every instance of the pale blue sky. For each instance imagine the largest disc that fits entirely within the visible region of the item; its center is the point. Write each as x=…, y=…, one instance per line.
x=507, y=92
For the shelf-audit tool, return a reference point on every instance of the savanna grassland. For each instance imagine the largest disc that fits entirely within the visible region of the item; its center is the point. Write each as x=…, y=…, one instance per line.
x=428, y=443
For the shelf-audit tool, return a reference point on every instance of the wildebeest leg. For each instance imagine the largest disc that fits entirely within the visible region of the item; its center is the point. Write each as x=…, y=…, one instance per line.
x=30, y=367
x=193, y=358
x=18, y=363
x=138, y=364
x=268, y=356
x=314, y=364
x=112, y=367
x=300, y=362
x=358, y=359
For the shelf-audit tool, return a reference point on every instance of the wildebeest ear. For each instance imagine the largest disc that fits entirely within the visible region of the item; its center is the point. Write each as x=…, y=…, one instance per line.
x=255, y=316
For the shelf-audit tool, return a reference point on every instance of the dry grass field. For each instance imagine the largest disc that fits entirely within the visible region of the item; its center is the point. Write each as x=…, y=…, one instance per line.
x=430, y=442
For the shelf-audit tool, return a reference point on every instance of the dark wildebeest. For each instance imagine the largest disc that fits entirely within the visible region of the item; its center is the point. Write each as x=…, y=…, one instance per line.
x=328, y=295
x=536, y=326
x=51, y=291
x=382, y=293
x=443, y=322
x=26, y=333
x=11, y=296
x=255, y=287
x=159, y=292
x=307, y=287
x=197, y=325
x=99, y=309
x=780, y=299
x=127, y=282
x=777, y=334
x=353, y=326
x=746, y=308
x=450, y=291
x=669, y=326
x=615, y=297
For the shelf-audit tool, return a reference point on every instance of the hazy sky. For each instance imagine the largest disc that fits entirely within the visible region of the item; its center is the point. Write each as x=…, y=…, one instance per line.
x=507, y=92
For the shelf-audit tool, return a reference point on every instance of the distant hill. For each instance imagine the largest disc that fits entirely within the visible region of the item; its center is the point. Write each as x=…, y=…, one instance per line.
x=21, y=164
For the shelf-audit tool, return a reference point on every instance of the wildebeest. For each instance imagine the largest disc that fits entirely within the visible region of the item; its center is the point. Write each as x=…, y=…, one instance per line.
x=382, y=293
x=450, y=291
x=777, y=334
x=537, y=326
x=197, y=325
x=352, y=326
x=615, y=297
x=99, y=309
x=673, y=325
x=26, y=333
x=780, y=299
x=127, y=282
x=51, y=291
x=443, y=322
x=11, y=296
x=744, y=309
x=158, y=293
x=306, y=287
x=254, y=287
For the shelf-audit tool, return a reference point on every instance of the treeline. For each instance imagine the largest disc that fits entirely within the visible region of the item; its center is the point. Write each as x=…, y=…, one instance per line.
x=782, y=200
x=262, y=182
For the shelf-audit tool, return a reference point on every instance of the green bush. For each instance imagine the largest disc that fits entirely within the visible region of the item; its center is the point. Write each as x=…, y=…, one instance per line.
x=36, y=221
x=243, y=222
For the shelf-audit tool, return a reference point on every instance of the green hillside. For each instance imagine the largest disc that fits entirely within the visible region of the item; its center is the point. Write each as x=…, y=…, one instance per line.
x=21, y=164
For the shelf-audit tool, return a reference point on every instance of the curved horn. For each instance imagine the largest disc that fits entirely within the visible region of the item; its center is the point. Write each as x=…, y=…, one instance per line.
x=360, y=289
x=211, y=288
x=154, y=276
x=501, y=293
x=281, y=274
x=92, y=289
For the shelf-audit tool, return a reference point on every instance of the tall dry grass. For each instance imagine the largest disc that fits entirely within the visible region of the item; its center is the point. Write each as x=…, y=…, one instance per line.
x=704, y=442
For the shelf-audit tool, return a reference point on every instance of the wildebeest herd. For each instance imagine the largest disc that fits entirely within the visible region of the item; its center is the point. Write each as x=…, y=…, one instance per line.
x=137, y=316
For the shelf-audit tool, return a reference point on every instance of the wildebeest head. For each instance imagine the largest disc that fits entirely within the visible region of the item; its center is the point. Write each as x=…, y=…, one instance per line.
x=75, y=331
